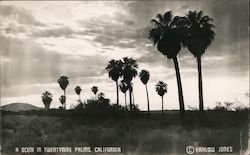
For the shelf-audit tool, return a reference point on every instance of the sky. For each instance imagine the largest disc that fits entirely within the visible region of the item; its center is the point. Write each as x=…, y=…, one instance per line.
x=40, y=41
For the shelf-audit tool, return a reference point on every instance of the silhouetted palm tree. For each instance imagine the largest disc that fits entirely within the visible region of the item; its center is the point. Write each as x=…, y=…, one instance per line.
x=124, y=88
x=114, y=69
x=78, y=92
x=94, y=89
x=161, y=89
x=101, y=96
x=62, y=99
x=200, y=35
x=63, y=82
x=167, y=35
x=47, y=99
x=144, y=76
x=129, y=71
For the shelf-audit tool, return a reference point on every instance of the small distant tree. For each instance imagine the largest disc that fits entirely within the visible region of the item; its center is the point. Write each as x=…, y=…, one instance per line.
x=63, y=82
x=124, y=88
x=161, y=89
x=144, y=76
x=78, y=92
x=94, y=89
x=101, y=96
x=47, y=99
x=114, y=69
x=62, y=100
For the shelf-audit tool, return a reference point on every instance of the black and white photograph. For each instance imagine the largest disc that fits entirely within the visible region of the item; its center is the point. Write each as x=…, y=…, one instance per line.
x=124, y=77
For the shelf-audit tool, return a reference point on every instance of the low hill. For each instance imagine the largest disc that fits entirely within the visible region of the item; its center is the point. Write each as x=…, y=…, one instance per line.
x=19, y=107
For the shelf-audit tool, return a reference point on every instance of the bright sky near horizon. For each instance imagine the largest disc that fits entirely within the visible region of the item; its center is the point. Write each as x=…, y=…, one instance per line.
x=40, y=41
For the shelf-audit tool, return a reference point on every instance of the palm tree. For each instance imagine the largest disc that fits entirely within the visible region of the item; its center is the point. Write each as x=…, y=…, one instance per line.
x=167, y=36
x=101, y=96
x=161, y=89
x=129, y=71
x=78, y=92
x=200, y=35
x=47, y=99
x=114, y=69
x=94, y=89
x=124, y=88
x=62, y=99
x=144, y=76
x=63, y=82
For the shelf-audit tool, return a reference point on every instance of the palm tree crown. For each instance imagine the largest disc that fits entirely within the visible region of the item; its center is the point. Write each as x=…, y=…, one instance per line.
x=47, y=99
x=167, y=34
x=123, y=86
x=63, y=82
x=161, y=88
x=78, y=90
x=144, y=76
x=114, y=69
x=129, y=69
x=94, y=89
x=200, y=32
x=62, y=99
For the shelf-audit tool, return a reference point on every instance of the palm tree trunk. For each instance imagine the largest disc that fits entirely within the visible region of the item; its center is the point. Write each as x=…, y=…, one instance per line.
x=161, y=106
x=65, y=98
x=147, y=98
x=79, y=98
x=117, y=93
x=133, y=98
x=180, y=92
x=201, y=105
x=130, y=99
x=46, y=107
x=125, y=96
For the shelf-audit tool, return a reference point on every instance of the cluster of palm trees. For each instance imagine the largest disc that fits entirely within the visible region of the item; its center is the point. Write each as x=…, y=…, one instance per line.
x=126, y=69
x=63, y=82
x=170, y=34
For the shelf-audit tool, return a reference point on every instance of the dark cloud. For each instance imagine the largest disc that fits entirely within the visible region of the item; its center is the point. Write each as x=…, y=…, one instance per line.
x=118, y=31
x=18, y=14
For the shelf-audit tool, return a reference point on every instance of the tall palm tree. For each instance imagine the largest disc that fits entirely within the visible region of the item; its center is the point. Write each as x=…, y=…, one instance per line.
x=167, y=35
x=144, y=76
x=161, y=89
x=200, y=35
x=63, y=82
x=94, y=89
x=124, y=88
x=47, y=99
x=62, y=99
x=78, y=92
x=114, y=69
x=129, y=71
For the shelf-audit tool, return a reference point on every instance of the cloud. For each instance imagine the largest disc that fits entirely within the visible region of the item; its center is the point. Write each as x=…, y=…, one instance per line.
x=116, y=31
x=62, y=31
x=34, y=64
x=18, y=14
